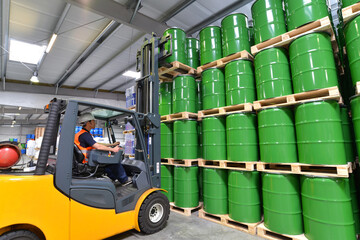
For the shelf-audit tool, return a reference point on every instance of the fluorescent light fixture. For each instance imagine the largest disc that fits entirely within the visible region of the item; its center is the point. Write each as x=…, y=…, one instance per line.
x=25, y=52
x=51, y=43
x=132, y=74
x=34, y=78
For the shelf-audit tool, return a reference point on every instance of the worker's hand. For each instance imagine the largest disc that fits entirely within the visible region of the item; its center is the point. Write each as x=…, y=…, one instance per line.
x=116, y=149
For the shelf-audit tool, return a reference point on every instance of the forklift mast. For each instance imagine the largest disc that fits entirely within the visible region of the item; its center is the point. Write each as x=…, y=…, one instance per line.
x=147, y=102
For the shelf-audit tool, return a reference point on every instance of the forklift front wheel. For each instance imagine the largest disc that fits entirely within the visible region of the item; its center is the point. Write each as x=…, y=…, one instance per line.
x=154, y=213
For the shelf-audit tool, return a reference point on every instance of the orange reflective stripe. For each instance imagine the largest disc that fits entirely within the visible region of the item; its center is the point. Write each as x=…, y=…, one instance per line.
x=82, y=149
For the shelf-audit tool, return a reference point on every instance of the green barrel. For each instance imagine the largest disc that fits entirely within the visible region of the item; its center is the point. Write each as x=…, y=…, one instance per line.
x=239, y=82
x=354, y=203
x=327, y=211
x=347, y=134
x=215, y=192
x=272, y=73
x=214, y=138
x=312, y=63
x=269, y=20
x=192, y=52
x=244, y=196
x=200, y=140
x=210, y=44
x=184, y=94
x=355, y=112
x=277, y=135
x=185, y=139
x=319, y=133
x=213, y=88
x=165, y=98
x=300, y=12
x=235, y=34
x=352, y=39
x=281, y=203
x=346, y=3
x=186, y=186
x=166, y=140
x=251, y=35
x=199, y=96
x=178, y=42
x=167, y=181
x=241, y=137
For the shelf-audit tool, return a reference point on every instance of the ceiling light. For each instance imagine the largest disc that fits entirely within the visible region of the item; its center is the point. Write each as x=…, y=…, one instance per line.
x=19, y=108
x=51, y=43
x=34, y=77
x=25, y=52
x=12, y=125
x=132, y=74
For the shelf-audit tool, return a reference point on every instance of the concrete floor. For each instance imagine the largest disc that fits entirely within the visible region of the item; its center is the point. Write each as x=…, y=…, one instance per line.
x=189, y=228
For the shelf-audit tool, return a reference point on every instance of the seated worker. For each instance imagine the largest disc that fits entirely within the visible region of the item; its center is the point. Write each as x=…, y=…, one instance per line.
x=85, y=142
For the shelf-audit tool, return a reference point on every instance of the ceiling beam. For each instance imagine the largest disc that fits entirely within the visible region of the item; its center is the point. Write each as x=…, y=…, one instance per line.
x=5, y=19
x=218, y=15
x=29, y=111
x=120, y=13
x=23, y=121
x=107, y=32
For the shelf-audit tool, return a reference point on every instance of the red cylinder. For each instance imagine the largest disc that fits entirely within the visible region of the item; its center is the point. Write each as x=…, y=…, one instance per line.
x=9, y=155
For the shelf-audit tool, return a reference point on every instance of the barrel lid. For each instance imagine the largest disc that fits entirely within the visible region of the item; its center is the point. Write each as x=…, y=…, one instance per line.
x=242, y=59
x=211, y=68
x=182, y=75
x=209, y=27
x=254, y=4
x=314, y=176
x=278, y=173
x=308, y=34
x=355, y=96
x=318, y=100
x=235, y=14
x=274, y=107
x=174, y=28
x=267, y=48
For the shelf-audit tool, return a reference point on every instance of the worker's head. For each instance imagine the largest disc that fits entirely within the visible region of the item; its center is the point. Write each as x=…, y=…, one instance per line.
x=87, y=120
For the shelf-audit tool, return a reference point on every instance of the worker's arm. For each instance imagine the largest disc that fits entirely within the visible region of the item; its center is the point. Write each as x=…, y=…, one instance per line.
x=101, y=147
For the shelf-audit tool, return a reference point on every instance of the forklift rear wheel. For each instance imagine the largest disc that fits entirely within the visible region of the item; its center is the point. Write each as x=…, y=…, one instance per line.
x=154, y=212
x=19, y=235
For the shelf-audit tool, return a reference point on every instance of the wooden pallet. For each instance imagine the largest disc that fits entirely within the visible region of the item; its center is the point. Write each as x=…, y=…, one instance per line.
x=245, y=107
x=179, y=116
x=293, y=99
x=130, y=156
x=357, y=88
x=131, y=108
x=220, y=63
x=284, y=40
x=184, y=211
x=226, y=221
x=180, y=162
x=307, y=169
x=171, y=70
x=264, y=232
x=350, y=12
x=128, y=131
x=230, y=165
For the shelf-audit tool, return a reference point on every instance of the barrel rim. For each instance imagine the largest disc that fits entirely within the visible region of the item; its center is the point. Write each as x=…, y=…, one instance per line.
x=236, y=14
x=243, y=59
x=355, y=96
x=210, y=68
x=350, y=20
x=308, y=34
x=318, y=100
x=277, y=107
x=271, y=47
x=192, y=38
x=182, y=75
x=317, y=176
x=209, y=27
x=190, y=119
x=277, y=173
x=175, y=28
x=251, y=9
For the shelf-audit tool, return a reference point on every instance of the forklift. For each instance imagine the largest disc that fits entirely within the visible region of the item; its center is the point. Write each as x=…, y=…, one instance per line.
x=64, y=198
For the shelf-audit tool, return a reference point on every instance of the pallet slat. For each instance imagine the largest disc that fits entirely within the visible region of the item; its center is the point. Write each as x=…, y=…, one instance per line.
x=180, y=162
x=245, y=107
x=225, y=164
x=357, y=87
x=264, y=232
x=167, y=73
x=184, y=211
x=178, y=116
x=293, y=99
x=351, y=11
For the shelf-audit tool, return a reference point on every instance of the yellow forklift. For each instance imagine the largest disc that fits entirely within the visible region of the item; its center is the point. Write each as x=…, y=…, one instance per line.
x=64, y=198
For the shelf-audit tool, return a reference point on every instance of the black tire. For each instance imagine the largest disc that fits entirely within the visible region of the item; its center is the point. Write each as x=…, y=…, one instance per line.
x=19, y=235
x=154, y=213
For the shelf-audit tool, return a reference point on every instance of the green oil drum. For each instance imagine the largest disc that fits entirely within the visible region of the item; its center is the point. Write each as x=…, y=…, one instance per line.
x=185, y=139
x=251, y=36
x=347, y=134
x=213, y=88
x=277, y=135
x=184, y=94
x=346, y=3
x=312, y=63
x=167, y=181
x=272, y=73
x=210, y=44
x=200, y=140
x=214, y=138
x=319, y=133
x=199, y=96
x=244, y=196
x=354, y=203
x=186, y=186
x=178, y=42
x=352, y=39
x=327, y=211
x=355, y=112
x=215, y=192
x=300, y=12
x=166, y=140
x=235, y=34
x=269, y=20
x=192, y=52
x=281, y=203
x=165, y=98
x=239, y=82
x=241, y=137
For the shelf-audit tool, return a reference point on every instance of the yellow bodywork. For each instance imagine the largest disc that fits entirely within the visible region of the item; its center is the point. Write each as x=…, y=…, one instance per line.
x=32, y=202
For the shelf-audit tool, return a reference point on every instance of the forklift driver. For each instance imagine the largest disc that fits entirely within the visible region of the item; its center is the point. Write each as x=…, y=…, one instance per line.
x=85, y=143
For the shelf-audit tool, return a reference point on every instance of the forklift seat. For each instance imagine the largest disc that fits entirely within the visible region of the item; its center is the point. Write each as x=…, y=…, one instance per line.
x=78, y=155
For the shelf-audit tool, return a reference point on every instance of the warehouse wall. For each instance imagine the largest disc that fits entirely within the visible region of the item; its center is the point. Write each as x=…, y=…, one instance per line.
x=18, y=132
